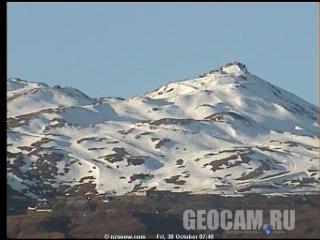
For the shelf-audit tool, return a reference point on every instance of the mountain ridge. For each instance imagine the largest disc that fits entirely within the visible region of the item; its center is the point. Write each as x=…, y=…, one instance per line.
x=225, y=132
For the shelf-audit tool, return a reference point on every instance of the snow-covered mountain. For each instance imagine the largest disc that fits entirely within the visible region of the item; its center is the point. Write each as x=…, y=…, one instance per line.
x=225, y=132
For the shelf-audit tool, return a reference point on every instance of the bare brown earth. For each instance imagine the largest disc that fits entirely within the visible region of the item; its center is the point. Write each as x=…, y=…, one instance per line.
x=159, y=212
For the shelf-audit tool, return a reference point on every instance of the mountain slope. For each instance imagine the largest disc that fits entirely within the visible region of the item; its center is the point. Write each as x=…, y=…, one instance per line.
x=225, y=132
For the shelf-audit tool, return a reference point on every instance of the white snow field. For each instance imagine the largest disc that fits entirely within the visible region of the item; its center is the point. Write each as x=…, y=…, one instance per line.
x=226, y=132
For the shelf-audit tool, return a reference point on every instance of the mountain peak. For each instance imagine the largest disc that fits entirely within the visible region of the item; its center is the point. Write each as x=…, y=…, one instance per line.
x=234, y=67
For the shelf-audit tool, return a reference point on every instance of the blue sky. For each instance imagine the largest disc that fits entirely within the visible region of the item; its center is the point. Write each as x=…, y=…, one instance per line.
x=126, y=49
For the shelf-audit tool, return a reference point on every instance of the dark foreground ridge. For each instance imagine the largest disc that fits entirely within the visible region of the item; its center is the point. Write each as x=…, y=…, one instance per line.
x=159, y=212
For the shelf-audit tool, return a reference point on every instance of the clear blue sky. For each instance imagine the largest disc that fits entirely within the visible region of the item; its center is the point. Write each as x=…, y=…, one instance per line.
x=125, y=49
